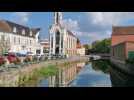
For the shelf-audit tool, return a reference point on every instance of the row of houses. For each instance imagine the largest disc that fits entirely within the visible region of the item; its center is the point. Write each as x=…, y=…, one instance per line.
x=18, y=38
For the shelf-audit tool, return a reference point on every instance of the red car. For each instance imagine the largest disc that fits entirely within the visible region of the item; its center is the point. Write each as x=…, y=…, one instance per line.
x=12, y=58
x=2, y=60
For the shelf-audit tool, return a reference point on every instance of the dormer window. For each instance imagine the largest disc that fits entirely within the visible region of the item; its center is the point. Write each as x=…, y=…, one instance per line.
x=31, y=33
x=23, y=32
x=14, y=30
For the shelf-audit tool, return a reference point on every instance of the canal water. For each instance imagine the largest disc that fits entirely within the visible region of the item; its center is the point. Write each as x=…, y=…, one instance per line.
x=88, y=74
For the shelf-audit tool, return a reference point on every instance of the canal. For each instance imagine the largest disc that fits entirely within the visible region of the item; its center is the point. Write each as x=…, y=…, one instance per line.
x=88, y=74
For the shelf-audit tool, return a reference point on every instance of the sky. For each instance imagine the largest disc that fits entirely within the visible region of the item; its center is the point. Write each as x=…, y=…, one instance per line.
x=87, y=26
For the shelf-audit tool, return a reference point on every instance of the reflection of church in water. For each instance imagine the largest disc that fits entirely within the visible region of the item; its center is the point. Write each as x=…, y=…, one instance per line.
x=65, y=75
x=62, y=41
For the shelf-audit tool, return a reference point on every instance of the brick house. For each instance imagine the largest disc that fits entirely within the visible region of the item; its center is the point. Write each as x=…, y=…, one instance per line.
x=121, y=34
x=122, y=42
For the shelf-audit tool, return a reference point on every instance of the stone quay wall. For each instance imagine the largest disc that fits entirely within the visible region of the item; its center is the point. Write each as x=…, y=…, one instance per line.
x=11, y=78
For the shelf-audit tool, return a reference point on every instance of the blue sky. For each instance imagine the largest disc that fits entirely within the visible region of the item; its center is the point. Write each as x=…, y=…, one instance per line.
x=88, y=26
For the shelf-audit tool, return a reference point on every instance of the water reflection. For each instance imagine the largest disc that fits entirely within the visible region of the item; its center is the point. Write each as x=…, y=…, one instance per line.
x=120, y=79
x=83, y=74
x=101, y=65
x=64, y=76
x=92, y=76
x=88, y=74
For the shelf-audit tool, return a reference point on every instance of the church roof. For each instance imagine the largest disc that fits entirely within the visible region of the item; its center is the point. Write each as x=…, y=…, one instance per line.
x=70, y=33
x=123, y=30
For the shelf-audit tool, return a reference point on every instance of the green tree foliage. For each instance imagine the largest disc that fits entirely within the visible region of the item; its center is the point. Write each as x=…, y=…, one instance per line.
x=86, y=46
x=102, y=65
x=102, y=46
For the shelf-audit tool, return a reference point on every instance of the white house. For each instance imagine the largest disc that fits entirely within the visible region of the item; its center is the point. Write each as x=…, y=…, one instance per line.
x=81, y=51
x=45, y=46
x=20, y=38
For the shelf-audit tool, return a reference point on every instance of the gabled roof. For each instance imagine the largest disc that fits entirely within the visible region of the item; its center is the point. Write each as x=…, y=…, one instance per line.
x=70, y=33
x=123, y=30
x=8, y=26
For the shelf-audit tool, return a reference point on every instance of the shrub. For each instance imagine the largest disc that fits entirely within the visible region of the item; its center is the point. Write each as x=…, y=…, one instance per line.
x=18, y=61
x=48, y=71
x=130, y=61
x=28, y=59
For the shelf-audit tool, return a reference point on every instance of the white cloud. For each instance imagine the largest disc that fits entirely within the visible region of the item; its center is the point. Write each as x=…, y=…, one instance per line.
x=98, y=25
x=109, y=18
x=70, y=24
x=21, y=17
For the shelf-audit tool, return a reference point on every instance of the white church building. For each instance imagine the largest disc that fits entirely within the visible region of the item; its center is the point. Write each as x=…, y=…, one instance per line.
x=62, y=41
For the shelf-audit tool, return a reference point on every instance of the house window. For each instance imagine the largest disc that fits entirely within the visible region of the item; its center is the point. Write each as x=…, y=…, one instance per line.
x=23, y=32
x=30, y=42
x=30, y=33
x=14, y=40
x=19, y=40
x=14, y=30
x=27, y=42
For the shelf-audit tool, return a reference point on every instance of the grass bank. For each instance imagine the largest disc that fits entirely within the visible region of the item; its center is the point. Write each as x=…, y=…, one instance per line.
x=38, y=74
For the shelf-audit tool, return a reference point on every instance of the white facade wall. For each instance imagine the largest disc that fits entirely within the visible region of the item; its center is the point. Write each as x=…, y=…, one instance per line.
x=81, y=51
x=17, y=42
x=69, y=42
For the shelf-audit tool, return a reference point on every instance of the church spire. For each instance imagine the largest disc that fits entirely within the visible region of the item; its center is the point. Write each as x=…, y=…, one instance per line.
x=57, y=17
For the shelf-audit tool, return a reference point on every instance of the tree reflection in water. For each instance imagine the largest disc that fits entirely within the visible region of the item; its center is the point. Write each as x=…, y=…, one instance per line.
x=102, y=65
x=117, y=77
x=92, y=73
x=120, y=79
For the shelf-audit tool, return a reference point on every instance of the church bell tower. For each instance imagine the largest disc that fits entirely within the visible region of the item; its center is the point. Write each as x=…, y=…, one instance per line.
x=57, y=18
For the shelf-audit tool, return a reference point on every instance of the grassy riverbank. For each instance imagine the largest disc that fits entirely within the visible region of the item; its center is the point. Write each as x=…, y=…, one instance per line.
x=44, y=72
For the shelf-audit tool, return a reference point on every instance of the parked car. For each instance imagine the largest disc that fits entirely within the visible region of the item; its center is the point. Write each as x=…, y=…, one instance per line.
x=20, y=55
x=42, y=58
x=29, y=57
x=2, y=60
x=53, y=57
x=30, y=54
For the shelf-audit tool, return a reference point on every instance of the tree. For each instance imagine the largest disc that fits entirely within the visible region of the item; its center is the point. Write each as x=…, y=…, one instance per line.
x=102, y=46
x=86, y=46
x=4, y=44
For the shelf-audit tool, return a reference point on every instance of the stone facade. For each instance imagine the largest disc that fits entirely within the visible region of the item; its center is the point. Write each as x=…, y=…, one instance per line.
x=62, y=41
